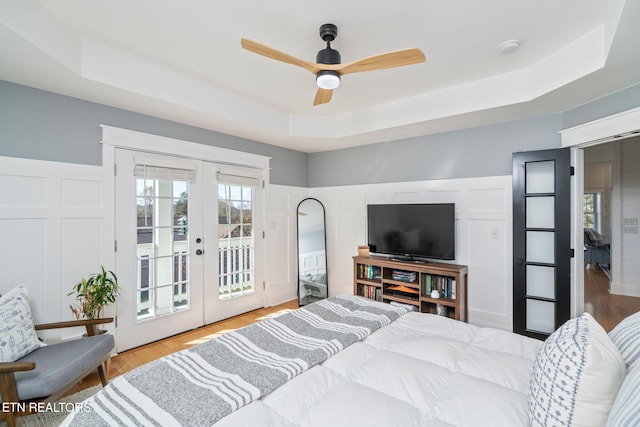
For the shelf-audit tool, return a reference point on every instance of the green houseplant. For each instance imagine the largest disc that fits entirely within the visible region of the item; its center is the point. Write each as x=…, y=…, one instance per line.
x=94, y=293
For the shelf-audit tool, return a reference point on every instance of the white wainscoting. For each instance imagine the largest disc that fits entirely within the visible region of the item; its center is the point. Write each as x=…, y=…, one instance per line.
x=53, y=228
x=630, y=228
x=282, y=247
x=483, y=241
x=56, y=229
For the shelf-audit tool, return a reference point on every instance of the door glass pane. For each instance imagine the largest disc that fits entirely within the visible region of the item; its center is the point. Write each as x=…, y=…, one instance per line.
x=541, y=281
x=162, y=246
x=540, y=177
x=541, y=246
x=540, y=212
x=235, y=241
x=540, y=316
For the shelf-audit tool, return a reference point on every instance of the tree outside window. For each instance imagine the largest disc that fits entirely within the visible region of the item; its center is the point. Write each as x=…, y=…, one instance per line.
x=592, y=211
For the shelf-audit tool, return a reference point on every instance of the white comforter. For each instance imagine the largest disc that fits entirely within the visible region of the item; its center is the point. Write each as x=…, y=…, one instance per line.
x=422, y=370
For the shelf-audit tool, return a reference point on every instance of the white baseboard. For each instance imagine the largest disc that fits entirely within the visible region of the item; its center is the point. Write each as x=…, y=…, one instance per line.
x=485, y=319
x=627, y=291
x=281, y=294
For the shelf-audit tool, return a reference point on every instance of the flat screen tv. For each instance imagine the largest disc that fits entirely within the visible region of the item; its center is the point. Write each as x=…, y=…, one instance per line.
x=424, y=230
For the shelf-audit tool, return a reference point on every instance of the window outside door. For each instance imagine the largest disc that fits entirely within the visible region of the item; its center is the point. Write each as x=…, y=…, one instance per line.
x=162, y=248
x=238, y=244
x=236, y=241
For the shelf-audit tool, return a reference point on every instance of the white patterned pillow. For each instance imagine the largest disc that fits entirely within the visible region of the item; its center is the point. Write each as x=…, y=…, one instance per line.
x=576, y=376
x=17, y=334
x=626, y=336
x=625, y=411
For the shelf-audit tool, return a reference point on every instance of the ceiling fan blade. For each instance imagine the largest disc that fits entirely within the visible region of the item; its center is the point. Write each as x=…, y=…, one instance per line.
x=269, y=52
x=323, y=96
x=397, y=58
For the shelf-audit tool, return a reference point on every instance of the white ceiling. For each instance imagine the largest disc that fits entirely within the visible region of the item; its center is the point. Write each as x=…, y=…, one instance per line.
x=183, y=61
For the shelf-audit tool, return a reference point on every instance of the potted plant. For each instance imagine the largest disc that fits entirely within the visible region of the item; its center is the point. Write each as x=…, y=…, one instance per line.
x=94, y=293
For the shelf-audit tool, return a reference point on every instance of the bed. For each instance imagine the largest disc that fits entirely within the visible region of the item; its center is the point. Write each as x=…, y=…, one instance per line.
x=349, y=361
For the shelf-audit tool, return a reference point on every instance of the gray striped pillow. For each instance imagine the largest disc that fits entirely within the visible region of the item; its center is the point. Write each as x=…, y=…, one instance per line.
x=625, y=410
x=626, y=336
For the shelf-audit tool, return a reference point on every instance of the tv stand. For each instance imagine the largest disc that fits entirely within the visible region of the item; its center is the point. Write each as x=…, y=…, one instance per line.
x=411, y=282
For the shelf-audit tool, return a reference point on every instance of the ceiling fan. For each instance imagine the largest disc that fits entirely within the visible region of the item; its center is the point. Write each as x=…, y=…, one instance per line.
x=328, y=68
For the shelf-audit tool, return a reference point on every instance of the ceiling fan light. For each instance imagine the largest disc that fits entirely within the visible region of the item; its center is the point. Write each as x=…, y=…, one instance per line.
x=328, y=79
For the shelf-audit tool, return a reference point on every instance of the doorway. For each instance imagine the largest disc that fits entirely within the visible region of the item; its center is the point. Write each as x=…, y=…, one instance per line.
x=611, y=204
x=187, y=247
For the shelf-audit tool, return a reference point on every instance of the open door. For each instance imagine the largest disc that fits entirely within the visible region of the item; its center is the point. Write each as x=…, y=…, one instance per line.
x=541, y=241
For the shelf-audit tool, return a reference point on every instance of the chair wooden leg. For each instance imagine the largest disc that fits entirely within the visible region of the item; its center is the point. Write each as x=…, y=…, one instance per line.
x=9, y=394
x=102, y=371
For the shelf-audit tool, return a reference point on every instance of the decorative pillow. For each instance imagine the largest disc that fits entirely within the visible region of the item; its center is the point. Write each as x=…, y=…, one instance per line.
x=626, y=336
x=576, y=376
x=17, y=334
x=625, y=411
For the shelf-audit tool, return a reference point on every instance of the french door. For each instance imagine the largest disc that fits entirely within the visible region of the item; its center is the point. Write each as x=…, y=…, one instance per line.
x=183, y=257
x=541, y=241
x=234, y=280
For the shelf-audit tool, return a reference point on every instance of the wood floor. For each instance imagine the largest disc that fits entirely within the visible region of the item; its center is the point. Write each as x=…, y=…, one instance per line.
x=130, y=359
x=606, y=308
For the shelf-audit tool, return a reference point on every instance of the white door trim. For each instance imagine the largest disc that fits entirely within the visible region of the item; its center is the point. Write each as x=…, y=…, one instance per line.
x=611, y=128
x=113, y=137
x=124, y=138
x=622, y=125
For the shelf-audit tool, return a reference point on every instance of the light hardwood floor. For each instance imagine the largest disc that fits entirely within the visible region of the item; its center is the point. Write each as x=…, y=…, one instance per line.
x=606, y=308
x=130, y=359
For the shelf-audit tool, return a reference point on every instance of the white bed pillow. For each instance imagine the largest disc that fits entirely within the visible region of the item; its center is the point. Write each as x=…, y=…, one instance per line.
x=626, y=336
x=17, y=333
x=576, y=376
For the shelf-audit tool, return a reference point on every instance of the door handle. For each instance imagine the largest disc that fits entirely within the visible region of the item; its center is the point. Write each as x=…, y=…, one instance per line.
x=199, y=252
x=519, y=261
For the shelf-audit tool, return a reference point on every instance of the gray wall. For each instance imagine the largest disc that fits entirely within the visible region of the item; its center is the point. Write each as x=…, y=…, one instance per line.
x=606, y=106
x=476, y=152
x=36, y=124
x=41, y=125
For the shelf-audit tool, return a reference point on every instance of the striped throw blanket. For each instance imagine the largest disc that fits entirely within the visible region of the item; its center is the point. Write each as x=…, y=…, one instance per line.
x=200, y=385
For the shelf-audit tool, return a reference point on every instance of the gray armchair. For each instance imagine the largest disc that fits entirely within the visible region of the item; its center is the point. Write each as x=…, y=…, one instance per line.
x=596, y=251
x=48, y=372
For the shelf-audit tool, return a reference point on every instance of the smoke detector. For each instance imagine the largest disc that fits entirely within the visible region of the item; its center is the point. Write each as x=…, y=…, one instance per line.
x=509, y=47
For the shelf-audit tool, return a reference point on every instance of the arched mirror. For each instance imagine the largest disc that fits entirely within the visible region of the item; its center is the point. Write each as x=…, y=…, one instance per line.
x=312, y=252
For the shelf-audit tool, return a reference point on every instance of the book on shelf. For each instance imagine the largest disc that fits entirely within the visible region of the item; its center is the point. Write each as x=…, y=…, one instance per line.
x=403, y=276
x=370, y=272
x=371, y=292
x=444, y=284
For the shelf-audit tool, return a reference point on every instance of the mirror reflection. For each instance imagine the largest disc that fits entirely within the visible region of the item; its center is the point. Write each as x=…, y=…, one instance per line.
x=312, y=254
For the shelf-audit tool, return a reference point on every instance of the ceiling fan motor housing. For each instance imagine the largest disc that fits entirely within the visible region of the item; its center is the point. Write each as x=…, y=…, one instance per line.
x=328, y=56
x=328, y=33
